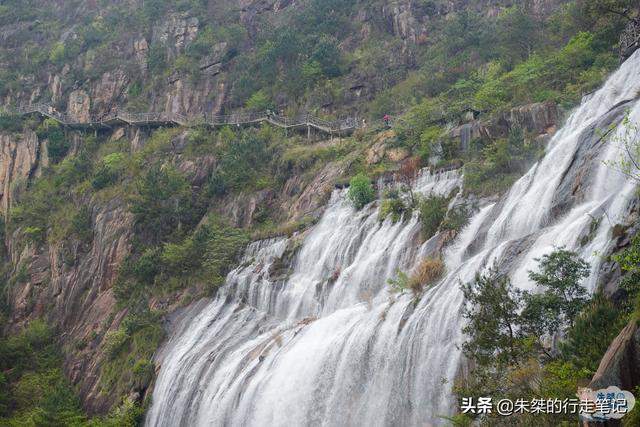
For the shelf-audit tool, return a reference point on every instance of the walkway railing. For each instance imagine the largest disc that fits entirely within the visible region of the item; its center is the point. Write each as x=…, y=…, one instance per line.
x=307, y=121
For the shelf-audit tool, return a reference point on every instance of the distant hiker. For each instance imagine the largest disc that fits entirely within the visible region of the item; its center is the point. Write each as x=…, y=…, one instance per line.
x=364, y=124
x=386, y=120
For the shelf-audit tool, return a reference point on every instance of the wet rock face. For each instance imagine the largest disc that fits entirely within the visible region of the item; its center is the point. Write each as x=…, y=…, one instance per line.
x=576, y=182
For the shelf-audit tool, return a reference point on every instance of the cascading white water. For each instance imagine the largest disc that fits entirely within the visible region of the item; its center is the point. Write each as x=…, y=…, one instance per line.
x=328, y=343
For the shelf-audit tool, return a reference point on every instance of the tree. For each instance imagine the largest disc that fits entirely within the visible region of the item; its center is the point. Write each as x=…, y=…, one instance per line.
x=563, y=297
x=259, y=101
x=162, y=202
x=491, y=310
x=361, y=191
x=622, y=8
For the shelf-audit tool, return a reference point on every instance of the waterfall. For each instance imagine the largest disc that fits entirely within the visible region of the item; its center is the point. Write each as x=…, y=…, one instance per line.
x=320, y=339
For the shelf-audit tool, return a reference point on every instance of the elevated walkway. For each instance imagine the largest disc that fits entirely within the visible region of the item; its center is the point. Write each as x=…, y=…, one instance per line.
x=303, y=121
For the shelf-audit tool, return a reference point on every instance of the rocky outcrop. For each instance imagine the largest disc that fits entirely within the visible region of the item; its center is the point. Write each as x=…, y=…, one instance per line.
x=22, y=157
x=402, y=22
x=140, y=51
x=468, y=132
x=620, y=365
x=107, y=91
x=193, y=99
x=79, y=106
x=176, y=32
x=537, y=121
x=300, y=200
x=69, y=283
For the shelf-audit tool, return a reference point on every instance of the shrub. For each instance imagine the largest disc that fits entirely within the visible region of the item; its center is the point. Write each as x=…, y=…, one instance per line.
x=114, y=341
x=361, y=191
x=428, y=272
x=242, y=160
x=10, y=123
x=456, y=218
x=57, y=54
x=162, y=203
x=109, y=170
x=432, y=212
x=143, y=372
x=33, y=389
x=592, y=332
x=393, y=205
x=81, y=224
x=129, y=368
x=259, y=101
x=58, y=144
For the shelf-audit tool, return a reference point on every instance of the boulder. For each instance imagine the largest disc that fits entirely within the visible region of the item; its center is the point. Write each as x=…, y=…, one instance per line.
x=620, y=365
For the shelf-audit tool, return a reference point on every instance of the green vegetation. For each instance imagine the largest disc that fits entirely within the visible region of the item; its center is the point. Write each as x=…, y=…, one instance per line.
x=34, y=391
x=394, y=206
x=509, y=330
x=432, y=211
x=314, y=56
x=205, y=256
x=58, y=144
x=361, y=191
x=499, y=164
x=428, y=272
x=129, y=351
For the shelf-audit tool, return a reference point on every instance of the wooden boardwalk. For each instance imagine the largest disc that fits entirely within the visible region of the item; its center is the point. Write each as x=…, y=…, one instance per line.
x=302, y=122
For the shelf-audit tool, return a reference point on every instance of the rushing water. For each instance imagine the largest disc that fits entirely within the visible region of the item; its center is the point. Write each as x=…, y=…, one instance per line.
x=323, y=341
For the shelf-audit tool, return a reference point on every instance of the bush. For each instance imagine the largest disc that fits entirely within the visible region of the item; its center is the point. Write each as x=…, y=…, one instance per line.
x=259, y=101
x=81, y=222
x=428, y=272
x=33, y=389
x=130, y=350
x=593, y=330
x=143, y=373
x=114, y=341
x=393, y=205
x=243, y=160
x=432, y=211
x=58, y=144
x=10, y=123
x=361, y=191
x=162, y=203
x=456, y=218
x=109, y=170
